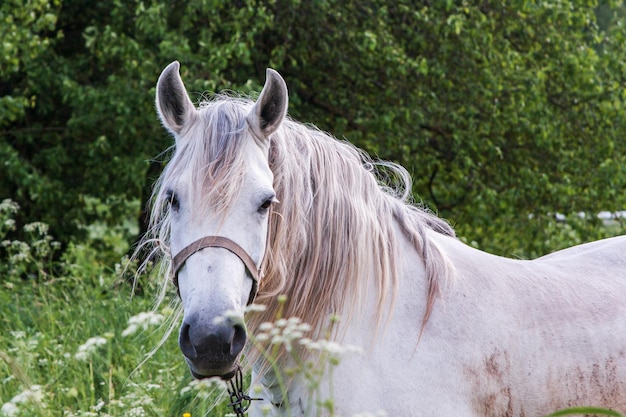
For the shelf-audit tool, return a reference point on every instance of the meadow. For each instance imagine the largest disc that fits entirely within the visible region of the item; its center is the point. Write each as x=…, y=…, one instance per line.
x=76, y=338
x=83, y=338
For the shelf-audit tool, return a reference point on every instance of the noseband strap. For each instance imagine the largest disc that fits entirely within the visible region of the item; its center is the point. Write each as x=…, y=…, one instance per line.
x=218, y=242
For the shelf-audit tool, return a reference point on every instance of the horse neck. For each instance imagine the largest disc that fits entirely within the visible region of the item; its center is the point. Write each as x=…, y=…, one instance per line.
x=336, y=236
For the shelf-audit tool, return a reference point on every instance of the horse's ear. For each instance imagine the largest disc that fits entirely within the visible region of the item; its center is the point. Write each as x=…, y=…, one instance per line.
x=172, y=102
x=271, y=107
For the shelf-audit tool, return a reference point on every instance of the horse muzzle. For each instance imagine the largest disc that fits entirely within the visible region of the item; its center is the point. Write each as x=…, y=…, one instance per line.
x=211, y=350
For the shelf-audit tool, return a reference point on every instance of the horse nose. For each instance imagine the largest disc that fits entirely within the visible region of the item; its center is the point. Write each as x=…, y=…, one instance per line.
x=221, y=342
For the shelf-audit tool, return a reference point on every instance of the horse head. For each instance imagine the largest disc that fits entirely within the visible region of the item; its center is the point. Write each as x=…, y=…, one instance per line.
x=217, y=193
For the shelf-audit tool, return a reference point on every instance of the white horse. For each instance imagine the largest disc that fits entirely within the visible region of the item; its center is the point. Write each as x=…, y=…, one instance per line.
x=253, y=199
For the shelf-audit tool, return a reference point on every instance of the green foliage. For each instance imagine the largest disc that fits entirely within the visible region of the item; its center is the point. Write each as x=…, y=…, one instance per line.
x=576, y=411
x=503, y=112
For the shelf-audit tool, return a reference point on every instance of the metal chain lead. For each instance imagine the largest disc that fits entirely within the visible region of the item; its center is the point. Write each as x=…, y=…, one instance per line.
x=239, y=401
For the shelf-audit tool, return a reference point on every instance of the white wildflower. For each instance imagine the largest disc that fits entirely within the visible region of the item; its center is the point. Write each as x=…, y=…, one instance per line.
x=206, y=388
x=264, y=327
x=255, y=308
x=229, y=316
x=89, y=347
x=9, y=409
x=136, y=412
x=34, y=394
x=261, y=337
x=282, y=332
x=276, y=331
x=142, y=321
x=330, y=347
x=207, y=384
x=39, y=227
x=9, y=206
x=18, y=334
x=98, y=406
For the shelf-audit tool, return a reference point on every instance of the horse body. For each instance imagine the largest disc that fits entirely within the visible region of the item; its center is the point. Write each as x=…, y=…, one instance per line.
x=548, y=333
x=446, y=329
x=509, y=338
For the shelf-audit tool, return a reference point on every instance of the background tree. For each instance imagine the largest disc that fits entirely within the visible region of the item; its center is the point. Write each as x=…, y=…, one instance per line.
x=505, y=113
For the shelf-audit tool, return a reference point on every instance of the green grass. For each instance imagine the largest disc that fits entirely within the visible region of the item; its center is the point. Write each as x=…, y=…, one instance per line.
x=586, y=411
x=67, y=347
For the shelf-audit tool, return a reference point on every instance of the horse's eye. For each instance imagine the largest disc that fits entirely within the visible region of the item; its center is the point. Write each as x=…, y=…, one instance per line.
x=172, y=197
x=267, y=204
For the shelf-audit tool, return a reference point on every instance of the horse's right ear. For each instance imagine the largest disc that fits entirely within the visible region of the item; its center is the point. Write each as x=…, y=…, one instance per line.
x=172, y=102
x=270, y=109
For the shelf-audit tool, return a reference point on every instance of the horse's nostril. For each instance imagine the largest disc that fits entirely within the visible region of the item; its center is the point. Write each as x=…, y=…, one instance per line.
x=239, y=339
x=184, y=342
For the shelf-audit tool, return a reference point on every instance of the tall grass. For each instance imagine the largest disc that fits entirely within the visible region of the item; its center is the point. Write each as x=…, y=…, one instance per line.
x=74, y=338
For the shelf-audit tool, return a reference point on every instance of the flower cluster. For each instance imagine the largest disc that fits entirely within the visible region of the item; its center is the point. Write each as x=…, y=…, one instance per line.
x=34, y=394
x=31, y=258
x=8, y=209
x=205, y=387
x=142, y=321
x=89, y=348
x=282, y=332
x=330, y=347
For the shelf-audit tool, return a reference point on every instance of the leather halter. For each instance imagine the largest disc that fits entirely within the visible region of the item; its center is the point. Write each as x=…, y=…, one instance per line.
x=256, y=273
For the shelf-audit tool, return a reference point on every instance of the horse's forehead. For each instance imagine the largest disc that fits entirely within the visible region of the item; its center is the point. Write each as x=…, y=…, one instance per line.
x=257, y=155
x=239, y=161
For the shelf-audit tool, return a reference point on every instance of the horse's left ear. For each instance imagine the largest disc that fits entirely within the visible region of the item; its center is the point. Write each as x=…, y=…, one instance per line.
x=172, y=102
x=271, y=107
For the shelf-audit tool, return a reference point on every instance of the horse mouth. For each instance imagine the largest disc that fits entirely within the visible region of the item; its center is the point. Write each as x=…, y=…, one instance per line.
x=207, y=370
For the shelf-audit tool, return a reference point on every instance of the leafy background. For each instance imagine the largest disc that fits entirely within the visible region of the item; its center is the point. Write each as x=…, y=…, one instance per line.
x=504, y=112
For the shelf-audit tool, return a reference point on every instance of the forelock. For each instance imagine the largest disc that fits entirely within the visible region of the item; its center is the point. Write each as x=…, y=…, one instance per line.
x=210, y=154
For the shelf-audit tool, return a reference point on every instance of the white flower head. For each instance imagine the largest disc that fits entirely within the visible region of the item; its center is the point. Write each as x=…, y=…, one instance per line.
x=137, y=412
x=18, y=334
x=142, y=321
x=329, y=346
x=34, y=394
x=255, y=308
x=40, y=228
x=89, y=348
x=266, y=326
x=9, y=409
x=9, y=206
